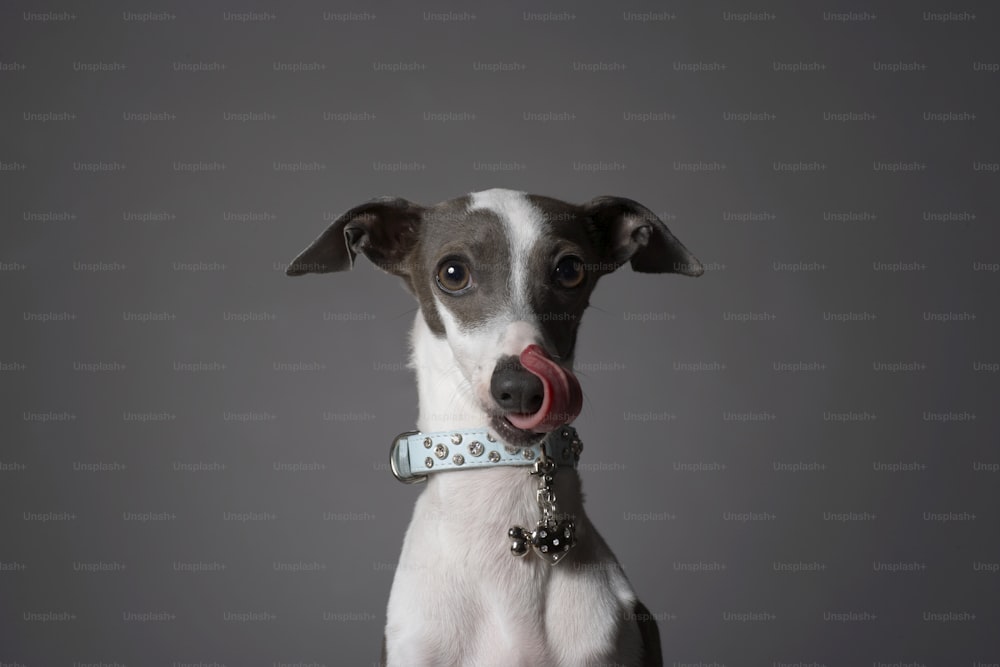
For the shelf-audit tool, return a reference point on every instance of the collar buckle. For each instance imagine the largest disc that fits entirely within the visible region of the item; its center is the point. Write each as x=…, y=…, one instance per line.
x=396, y=442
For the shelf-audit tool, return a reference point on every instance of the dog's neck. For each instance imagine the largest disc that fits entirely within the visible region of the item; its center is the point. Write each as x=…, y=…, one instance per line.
x=445, y=397
x=509, y=493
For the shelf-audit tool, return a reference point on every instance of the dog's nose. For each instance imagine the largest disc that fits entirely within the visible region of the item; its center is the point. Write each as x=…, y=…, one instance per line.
x=514, y=388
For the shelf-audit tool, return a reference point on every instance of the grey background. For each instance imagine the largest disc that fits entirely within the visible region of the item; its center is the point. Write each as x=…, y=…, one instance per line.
x=241, y=371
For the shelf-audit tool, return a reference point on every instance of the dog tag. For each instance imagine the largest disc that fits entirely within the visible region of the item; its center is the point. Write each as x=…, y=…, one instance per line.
x=550, y=540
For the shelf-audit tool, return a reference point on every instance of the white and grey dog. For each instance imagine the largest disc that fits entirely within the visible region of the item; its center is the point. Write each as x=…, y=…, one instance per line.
x=502, y=279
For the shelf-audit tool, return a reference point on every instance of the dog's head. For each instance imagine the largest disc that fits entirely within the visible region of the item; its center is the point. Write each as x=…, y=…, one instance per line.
x=504, y=277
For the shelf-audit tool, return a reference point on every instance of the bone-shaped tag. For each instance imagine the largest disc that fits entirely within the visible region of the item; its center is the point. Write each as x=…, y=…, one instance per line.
x=550, y=540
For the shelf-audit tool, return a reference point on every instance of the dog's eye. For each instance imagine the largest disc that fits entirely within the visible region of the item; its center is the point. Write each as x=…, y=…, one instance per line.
x=569, y=271
x=453, y=276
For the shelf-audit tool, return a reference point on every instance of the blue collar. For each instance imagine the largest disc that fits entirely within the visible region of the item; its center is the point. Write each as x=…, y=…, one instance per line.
x=413, y=455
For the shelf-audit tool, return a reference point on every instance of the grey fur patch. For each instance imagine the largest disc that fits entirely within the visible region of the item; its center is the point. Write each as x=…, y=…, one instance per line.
x=476, y=237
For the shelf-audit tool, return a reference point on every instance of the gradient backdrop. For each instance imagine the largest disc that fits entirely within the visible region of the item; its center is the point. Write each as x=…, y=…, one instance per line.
x=794, y=456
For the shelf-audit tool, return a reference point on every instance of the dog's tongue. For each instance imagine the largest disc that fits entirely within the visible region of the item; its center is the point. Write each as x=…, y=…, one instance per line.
x=562, y=399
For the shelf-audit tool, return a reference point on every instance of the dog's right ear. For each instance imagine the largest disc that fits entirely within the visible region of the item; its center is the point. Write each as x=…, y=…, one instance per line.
x=384, y=230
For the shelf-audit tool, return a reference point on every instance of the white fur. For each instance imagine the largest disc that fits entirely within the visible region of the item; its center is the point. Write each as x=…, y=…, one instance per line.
x=459, y=597
x=446, y=389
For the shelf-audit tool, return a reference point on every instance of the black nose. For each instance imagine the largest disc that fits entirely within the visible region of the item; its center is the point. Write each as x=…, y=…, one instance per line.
x=515, y=389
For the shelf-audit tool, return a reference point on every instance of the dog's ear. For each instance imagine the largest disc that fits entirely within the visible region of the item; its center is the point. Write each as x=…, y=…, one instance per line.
x=630, y=232
x=384, y=230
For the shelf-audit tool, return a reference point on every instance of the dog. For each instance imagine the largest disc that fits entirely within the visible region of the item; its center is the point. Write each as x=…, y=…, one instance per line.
x=500, y=565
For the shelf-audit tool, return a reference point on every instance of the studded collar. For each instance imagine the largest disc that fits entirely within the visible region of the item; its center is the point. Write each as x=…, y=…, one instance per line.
x=413, y=455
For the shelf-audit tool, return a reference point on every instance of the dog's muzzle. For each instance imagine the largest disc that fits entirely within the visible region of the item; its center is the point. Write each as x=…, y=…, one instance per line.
x=562, y=398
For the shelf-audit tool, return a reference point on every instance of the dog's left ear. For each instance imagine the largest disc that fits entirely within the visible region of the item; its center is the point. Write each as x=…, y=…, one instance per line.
x=384, y=230
x=630, y=232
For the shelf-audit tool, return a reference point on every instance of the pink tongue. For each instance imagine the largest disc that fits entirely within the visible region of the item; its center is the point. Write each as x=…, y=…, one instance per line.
x=562, y=399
